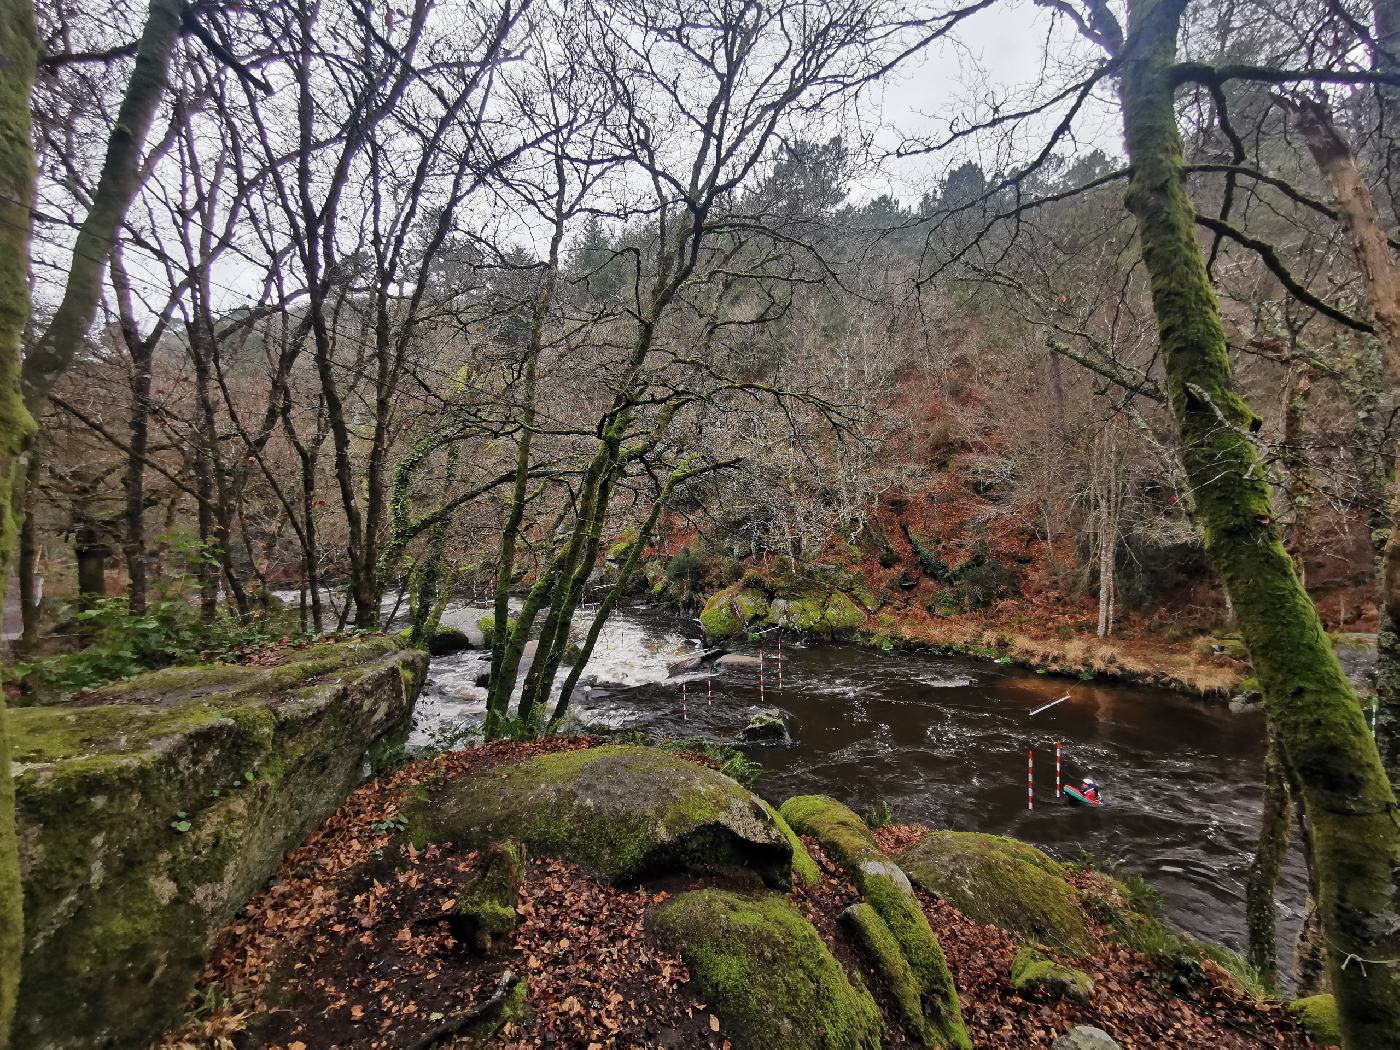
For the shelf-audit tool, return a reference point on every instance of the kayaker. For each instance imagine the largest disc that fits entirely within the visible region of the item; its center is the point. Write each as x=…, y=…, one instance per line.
x=1090, y=789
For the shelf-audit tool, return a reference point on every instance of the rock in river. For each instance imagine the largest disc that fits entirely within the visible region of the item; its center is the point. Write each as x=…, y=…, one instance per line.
x=768, y=726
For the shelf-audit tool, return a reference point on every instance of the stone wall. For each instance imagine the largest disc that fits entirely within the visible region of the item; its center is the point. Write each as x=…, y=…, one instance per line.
x=149, y=814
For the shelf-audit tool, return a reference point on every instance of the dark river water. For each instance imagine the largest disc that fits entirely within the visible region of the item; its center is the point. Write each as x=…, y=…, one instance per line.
x=944, y=741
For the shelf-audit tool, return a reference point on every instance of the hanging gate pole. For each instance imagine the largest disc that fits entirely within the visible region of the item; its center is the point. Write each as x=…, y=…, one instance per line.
x=1030, y=778
x=1059, y=784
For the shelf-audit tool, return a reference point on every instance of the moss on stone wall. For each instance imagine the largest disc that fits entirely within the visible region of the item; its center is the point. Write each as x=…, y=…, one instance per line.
x=146, y=820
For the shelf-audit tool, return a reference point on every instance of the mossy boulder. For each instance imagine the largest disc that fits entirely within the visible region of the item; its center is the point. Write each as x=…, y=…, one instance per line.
x=809, y=603
x=877, y=942
x=1035, y=973
x=1318, y=1016
x=803, y=866
x=885, y=886
x=767, y=974
x=622, y=811
x=485, y=907
x=150, y=812
x=830, y=614
x=768, y=726
x=1001, y=882
x=729, y=612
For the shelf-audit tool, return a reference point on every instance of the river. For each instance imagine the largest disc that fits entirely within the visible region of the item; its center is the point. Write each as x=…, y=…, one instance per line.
x=944, y=741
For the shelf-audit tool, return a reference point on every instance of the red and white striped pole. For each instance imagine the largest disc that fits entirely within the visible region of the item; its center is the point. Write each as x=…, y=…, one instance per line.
x=1059, y=784
x=709, y=689
x=1030, y=778
x=685, y=708
x=760, y=676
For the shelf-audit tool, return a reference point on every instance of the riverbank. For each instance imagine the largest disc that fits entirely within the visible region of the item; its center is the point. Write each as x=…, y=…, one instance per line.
x=355, y=940
x=1203, y=667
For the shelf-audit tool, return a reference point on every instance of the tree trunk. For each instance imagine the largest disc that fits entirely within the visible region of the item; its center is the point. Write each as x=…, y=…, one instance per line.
x=117, y=184
x=1319, y=722
x=29, y=582
x=19, y=54
x=134, y=481
x=1380, y=277
x=1261, y=883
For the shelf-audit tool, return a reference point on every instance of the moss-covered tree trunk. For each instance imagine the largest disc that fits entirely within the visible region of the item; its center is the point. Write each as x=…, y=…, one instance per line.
x=19, y=51
x=117, y=184
x=1319, y=722
x=1261, y=883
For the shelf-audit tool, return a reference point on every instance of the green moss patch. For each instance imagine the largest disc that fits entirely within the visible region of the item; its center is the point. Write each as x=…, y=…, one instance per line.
x=1318, y=1016
x=879, y=946
x=767, y=974
x=485, y=907
x=622, y=811
x=1004, y=883
x=803, y=866
x=1033, y=972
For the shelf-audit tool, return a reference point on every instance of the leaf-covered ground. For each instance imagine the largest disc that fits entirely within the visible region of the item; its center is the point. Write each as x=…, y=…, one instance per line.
x=349, y=947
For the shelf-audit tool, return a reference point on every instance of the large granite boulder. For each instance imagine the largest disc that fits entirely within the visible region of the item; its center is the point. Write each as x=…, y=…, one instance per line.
x=1001, y=882
x=149, y=813
x=621, y=811
x=767, y=974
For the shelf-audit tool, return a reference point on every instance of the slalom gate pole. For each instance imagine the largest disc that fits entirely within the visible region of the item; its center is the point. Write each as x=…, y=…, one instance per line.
x=780, y=663
x=1059, y=784
x=685, y=711
x=760, y=676
x=1030, y=778
x=710, y=688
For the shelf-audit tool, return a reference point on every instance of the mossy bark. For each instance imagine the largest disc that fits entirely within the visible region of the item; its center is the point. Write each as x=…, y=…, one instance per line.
x=117, y=184
x=1262, y=881
x=19, y=49
x=1348, y=800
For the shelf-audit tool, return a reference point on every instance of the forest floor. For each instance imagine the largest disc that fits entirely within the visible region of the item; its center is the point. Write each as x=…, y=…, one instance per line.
x=349, y=947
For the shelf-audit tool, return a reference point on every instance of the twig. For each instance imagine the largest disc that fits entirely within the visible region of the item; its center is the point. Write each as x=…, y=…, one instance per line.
x=457, y=1022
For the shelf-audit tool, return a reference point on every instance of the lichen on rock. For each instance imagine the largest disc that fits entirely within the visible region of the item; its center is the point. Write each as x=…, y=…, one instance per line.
x=767, y=974
x=621, y=811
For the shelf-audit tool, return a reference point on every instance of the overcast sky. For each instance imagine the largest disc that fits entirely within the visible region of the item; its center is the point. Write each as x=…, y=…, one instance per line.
x=995, y=53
